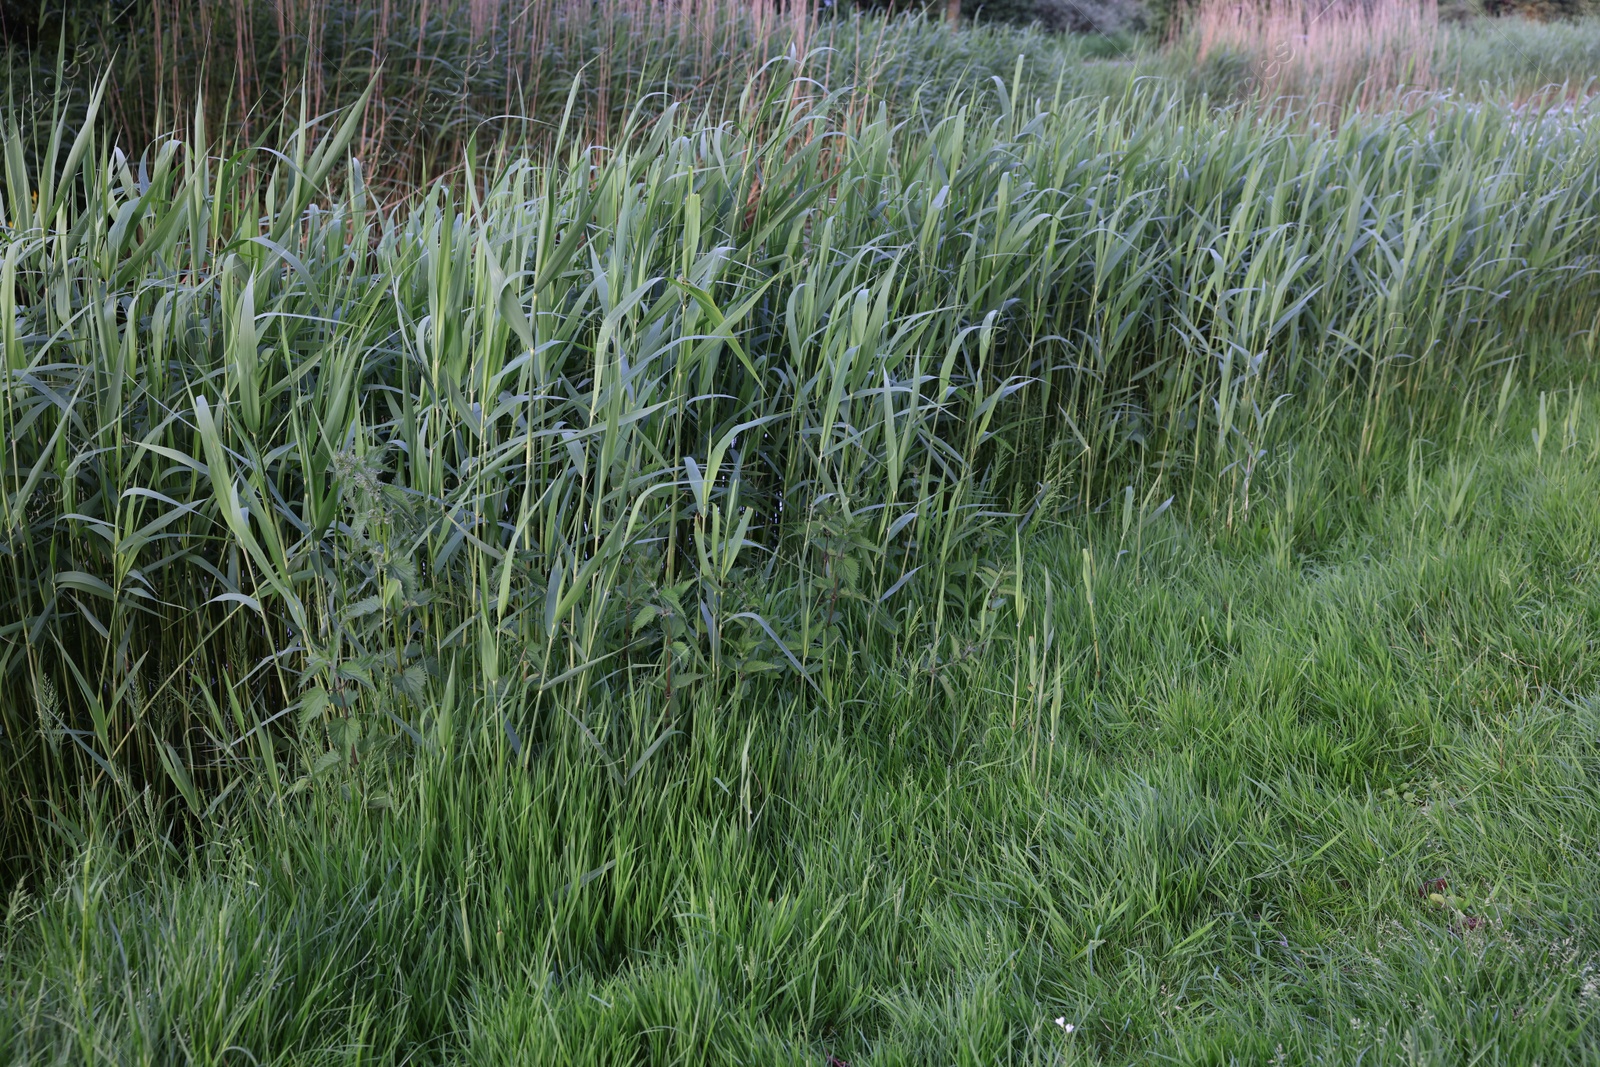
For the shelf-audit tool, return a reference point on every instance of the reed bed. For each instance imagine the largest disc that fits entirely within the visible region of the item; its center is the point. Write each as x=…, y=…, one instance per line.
x=897, y=547
x=450, y=75
x=718, y=409
x=1330, y=58
x=1346, y=53
x=443, y=70
x=1519, y=58
x=456, y=78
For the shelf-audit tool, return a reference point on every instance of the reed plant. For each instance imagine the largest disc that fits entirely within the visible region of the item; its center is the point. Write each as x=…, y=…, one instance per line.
x=1319, y=791
x=719, y=409
x=442, y=70
x=1360, y=53
x=1520, y=58
x=887, y=549
x=447, y=74
x=459, y=75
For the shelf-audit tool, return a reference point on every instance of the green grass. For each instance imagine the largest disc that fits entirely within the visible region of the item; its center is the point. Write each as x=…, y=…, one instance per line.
x=1482, y=59
x=1207, y=850
x=810, y=579
x=1519, y=56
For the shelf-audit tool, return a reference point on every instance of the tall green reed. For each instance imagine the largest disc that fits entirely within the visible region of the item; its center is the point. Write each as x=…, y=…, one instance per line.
x=293, y=480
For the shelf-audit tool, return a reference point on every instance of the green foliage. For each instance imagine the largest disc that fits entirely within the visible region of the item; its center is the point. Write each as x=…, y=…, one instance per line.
x=1215, y=846
x=857, y=573
x=1540, y=10
x=1507, y=59
x=453, y=74
x=1518, y=54
x=278, y=456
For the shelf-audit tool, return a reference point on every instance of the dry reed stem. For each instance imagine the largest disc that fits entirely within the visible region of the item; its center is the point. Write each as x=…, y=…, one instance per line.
x=443, y=65
x=1359, y=53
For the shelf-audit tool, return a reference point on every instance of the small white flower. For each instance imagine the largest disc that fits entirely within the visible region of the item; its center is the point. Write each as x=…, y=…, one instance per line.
x=1061, y=1021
